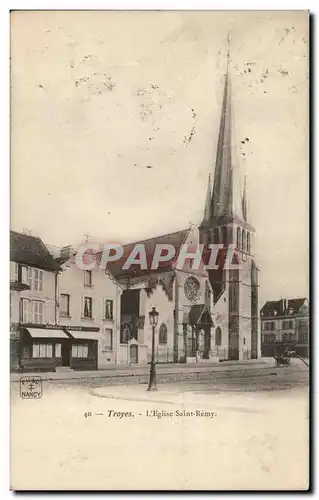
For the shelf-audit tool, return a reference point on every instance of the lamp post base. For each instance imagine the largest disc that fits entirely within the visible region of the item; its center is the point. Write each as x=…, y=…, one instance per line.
x=152, y=382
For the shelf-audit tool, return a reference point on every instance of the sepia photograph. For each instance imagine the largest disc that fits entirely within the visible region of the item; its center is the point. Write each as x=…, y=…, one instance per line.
x=159, y=250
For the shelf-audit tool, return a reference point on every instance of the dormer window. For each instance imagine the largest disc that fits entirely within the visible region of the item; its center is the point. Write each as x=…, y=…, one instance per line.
x=88, y=278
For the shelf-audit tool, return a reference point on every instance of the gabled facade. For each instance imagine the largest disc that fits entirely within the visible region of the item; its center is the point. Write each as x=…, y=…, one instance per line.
x=89, y=310
x=33, y=278
x=285, y=321
x=173, y=290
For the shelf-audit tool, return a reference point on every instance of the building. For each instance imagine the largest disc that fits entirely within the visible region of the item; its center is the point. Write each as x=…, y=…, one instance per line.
x=285, y=322
x=35, y=343
x=202, y=314
x=61, y=316
x=89, y=310
x=181, y=295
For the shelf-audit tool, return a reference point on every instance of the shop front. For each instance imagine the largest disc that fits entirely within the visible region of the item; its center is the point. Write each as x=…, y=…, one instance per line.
x=49, y=348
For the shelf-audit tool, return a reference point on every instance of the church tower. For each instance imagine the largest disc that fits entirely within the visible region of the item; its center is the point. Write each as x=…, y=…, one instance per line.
x=226, y=222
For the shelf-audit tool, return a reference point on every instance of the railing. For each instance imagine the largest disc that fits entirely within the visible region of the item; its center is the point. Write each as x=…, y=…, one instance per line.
x=163, y=354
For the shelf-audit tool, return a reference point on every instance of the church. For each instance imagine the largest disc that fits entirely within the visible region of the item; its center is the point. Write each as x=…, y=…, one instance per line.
x=204, y=314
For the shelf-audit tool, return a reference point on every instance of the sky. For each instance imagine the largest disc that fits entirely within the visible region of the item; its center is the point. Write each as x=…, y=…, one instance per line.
x=114, y=127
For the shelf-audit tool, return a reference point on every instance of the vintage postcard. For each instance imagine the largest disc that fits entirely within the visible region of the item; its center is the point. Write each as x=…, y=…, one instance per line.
x=159, y=298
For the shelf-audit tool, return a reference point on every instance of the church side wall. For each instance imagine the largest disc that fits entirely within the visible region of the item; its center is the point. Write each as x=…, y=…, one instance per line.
x=244, y=344
x=220, y=317
x=159, y=299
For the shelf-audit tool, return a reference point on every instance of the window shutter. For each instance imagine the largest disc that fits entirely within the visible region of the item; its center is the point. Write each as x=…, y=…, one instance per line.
x=13, y=271
x=41, y=280
x=30, y=276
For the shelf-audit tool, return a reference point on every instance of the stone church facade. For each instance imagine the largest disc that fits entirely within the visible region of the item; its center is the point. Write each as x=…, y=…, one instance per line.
x=203, y=314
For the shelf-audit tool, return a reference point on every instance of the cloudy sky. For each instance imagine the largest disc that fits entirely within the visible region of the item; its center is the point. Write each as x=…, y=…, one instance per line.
x=115, y=119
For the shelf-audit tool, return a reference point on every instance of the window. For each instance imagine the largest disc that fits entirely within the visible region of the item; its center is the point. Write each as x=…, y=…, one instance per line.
x=41, y=350
x=25, y=311
x=238, y=238
x=19, y=273
x=65, y=304
x=108, y=339
x=126, y=333
x=58, y=350
x=243, y=238
x=248, y=242
x=162, y=337
x=270, y=337
x=87, y=310
x=290, y=324
x=273, y=325
x=224, y=235
x=38, y=311
x=80, y=351
x=15, y=271
x=38, y=279
x=88, y=278
x=30, y=276
x=108, y=309
x=216, y=235
x=218, y=337
x=267, y=326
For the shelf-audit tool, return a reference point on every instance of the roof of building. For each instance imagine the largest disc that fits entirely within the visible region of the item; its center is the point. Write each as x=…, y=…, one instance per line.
x=31, y=251
x=282, y=306
x=176, y=239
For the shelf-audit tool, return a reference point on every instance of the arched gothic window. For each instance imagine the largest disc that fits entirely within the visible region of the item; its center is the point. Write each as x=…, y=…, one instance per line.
x=248, y=242
x=224, y=240
x=216, y=235
x=243, y=237
x=162, y=338
x=238, y=238
x=218, y=336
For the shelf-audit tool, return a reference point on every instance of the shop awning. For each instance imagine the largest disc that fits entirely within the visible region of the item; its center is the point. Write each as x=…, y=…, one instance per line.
x=79, y=334
x=42, y=333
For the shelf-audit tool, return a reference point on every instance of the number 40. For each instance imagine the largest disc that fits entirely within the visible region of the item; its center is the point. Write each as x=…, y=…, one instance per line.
x=88, y=414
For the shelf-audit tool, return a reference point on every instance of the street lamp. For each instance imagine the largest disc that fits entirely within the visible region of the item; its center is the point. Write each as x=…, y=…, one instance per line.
x=153, y=316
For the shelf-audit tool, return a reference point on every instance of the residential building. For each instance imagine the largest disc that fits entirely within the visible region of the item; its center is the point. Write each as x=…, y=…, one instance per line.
x=34, y=340
x=285, y=321
x=89, y=310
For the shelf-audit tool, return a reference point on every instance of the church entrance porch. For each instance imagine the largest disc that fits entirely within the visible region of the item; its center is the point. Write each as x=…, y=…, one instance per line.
x=197, y=333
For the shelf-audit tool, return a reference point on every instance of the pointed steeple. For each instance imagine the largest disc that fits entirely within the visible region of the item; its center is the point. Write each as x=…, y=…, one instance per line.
x=208, y=205
x=226, y=204
x=244, y=200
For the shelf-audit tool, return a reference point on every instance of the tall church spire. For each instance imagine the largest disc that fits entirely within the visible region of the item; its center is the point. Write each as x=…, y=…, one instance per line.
x=226, y=204
x=244, y=201
x=208, y=205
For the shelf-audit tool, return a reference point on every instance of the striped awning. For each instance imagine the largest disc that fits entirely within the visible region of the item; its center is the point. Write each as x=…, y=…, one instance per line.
x=79, y=334
x=42, y=333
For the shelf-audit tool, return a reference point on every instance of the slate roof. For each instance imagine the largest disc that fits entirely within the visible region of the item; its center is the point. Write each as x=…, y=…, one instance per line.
x=31, y=251
x=176, y=239
x=279, y=306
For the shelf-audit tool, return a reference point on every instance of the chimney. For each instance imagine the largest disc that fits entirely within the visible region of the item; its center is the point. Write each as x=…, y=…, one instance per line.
x=66, y=252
